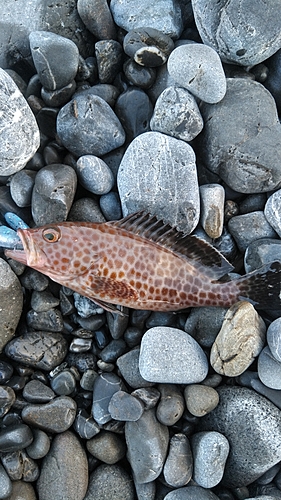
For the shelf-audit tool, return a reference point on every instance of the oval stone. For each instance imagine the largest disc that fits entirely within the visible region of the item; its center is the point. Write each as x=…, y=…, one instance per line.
x=56, y=416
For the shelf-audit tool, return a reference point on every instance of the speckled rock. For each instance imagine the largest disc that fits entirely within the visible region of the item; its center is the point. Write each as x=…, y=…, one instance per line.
x=94, y=174
x=210, y=451
x=157, y=173
x=240, y=340
x=232, y=142
x=110, y=481
x=64, y=473
x=19, y=133
x=253, y=448
x=250, y=227
x=11, y=300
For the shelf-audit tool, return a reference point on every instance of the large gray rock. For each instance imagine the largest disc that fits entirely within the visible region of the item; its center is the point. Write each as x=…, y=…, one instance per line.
x=64, y=473
x=252, y=425
x=158, y=174
x=241, y=142
x=239, y=34
x=19, y=133
x=11, y=300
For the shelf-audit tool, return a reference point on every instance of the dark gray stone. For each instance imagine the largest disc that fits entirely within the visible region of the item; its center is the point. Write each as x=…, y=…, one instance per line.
x=253, y=448
x=36, y=391
x=110, y=481
x=272, y=211
x=261, y=252
x=110, y=206
x=97, y=18
x=34, y=280
x=64, y=473
x=134, y=110
x=42, y=350
x=106, y=91
x=43, y=301
x=176, y=113
x=128, y=365
x=178, y=467
x=273, y=336
x=148, y=46
x=233, y=141
x=139, y=75
x=6, y=483
x=11, y=300
x=19, y=131
x=53, y=193
x=55, y=58
x=87, y=125
x=169, y=355
x=171, y=405
x=56, y=416
x=107, y=447
x=15, y=437
x=210, y=451
x=104, y=387
x=164, y=15
x=200, y=399
x=269, y=369
x=192, y=493
x=87, y=210
x=250, y=227
x=238, y=35
x=125, y=407
x=21, y=187
x=204, y=324
x=40, y=444
x=63, y=383
x=85, y=425
x=7, y=399
x=94, y=174
x=59, y=97
x=109, y=55
x=158, y=174
x=147, y=443
x=50, y=321
x=198, y=68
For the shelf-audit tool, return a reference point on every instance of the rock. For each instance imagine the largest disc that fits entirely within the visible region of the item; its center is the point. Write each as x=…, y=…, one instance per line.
x=6, y=483
x=247, y=166
x=110, y=481
x=171, y=405
x=147, y=443
x=55, y=58
x=42, y=350
x=64, y=470
x=239, y=341
x=53, y=193
x=21, y=187
x=212, y=209
x=110, y=206
x=269, y=369
x=198, y=68
x=106, y=91
x=192, y=493
x=56, y=416
x=261, y=252
x=125, y=407
x=272, y=211
x=250, y=227
x=153, y=176
x=273, y=336
x=200, y=399
x=105, y=386
x=22, y=490
x=107, y=447
x=140, y=76
x=128, y=365
x=39, y=446
x=210, y=451
x=19, y=137
x=253, y=448
x=94, y=174
x=134, y=110
x=97, y=18
x=272, y=82
x=11, y=300
x=88, y=126
x=85, y=425
x=50, y=321
x=87, y=210
x=178, y=467
x=109, y=57
x=43, y=301
x=176, y=113
x=63, y=383
x=148, y=46
x=204, y=323
x=238, y=35
x=165, y=15
x=15, y=437
x=36, y=391
x=169, y=355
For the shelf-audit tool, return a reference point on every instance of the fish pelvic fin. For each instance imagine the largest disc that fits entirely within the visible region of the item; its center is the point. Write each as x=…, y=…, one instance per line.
x=262, y=287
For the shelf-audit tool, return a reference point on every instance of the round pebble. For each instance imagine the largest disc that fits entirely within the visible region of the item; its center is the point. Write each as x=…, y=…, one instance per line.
x=21, y=187
x=210, y=451
x=134, y=111
x=105, y=386
x=125, y=407
x=6, y=483
x=85, y=425
x=37, y=392
x=192, y=493
x=148, y=46
x=63, y=383
x=107, y=447
x=171, y=405
x=200, y=399
x=15, y=437
x=250, y=227
x=94, y=174
x=97, y=17
x=169, y=355
x=40, y=445
x=128, y=365
x=198, y=68
x=109, y=57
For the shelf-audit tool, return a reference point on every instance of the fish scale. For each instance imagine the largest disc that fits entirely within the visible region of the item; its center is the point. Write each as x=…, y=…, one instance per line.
x=142, y=263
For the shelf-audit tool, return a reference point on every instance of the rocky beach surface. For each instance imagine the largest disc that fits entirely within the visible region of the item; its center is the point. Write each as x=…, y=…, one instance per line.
x=108, y=108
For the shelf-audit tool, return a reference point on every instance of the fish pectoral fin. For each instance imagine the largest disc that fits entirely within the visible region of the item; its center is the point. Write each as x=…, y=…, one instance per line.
x=112, y=289
x=110, y=307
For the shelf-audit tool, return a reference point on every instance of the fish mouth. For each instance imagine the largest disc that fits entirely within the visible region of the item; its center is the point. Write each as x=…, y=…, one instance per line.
x=29, y=255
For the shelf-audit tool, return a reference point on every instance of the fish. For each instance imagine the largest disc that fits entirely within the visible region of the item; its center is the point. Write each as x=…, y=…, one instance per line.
x=141, y=262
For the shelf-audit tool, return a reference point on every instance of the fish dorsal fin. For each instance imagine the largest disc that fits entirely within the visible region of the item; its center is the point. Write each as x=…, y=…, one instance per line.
x=204, y=256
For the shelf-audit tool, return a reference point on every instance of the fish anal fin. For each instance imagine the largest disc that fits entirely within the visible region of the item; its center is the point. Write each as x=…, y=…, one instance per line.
x=109, y=307
x=203, y=255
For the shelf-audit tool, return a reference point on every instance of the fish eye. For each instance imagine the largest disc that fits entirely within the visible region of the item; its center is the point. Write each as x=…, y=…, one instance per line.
x=51, y=234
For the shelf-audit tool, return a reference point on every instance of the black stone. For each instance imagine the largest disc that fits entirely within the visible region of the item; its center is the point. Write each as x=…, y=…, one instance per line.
x=134, y=110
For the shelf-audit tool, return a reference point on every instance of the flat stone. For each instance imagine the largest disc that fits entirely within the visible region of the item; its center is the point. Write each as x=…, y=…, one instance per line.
x=238, y=35
x=64, y=470
x=56, y=416
x=210, y=451
x=158, y=173
x=128, y=365
x=247, y=160
x=19, y=132
x=164, y=15
x=11, y=300
x=198, y=68
x=253, y=448
x=176, y=113
x=55, y=58
x=15, y=437
x=169, y=355
x=88, y=126
x=125, y=407
x=104, y=387
x=147, y=443
x=240, y=340
x=204, y=323
x=272, y=211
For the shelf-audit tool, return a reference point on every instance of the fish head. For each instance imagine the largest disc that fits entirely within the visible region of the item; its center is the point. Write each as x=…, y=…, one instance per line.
x=61, y=251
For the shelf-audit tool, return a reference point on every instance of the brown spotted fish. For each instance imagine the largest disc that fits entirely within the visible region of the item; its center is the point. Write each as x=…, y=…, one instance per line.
x=142, y=263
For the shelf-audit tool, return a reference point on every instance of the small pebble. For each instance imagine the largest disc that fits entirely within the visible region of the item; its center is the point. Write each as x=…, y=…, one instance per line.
x=261, y=252
x=94, y=174
x=21, y=187
x=178, y=467
x=125, y=407
x=50, y=320
x=109, y=57
x=97, y=17
x=85, y=425
x=15, y=437
x=250, y=227
x=7, y=399
x=171, y=405
x=200, y=399
x=128, y=365
x=37, y=392
x=139, y=76
x=148, y=46
x=204, y=324
x=11, y=300
x=6, y=483
x=105, y=386
x=107, y=447
x=212, y=209
x=210, y=451
x=134, y=110
x=56, y=416
x=40, y=445
x=192, y=493
x=63, y=383
x=149, y=396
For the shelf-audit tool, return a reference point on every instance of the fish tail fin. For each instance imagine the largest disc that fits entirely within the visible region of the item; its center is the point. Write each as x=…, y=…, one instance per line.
x=262, y=287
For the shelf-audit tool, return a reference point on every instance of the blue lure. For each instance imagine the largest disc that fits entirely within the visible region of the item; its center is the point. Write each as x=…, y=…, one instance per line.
x=8, y=235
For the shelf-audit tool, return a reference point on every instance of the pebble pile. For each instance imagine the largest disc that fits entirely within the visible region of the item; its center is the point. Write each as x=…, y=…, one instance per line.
x=107, y=108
